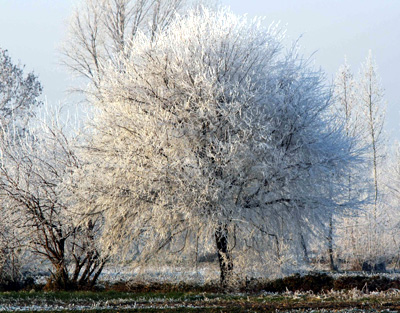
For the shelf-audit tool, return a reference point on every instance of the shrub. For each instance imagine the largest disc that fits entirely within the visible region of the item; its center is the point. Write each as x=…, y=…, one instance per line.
x=375, y=283
x=311, y=282
x=10, y=275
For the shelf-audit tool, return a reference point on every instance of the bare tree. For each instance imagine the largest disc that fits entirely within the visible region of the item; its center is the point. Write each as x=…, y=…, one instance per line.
x=211, y=134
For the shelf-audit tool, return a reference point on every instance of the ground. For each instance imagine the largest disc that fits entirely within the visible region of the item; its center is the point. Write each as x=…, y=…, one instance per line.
x=332, y=301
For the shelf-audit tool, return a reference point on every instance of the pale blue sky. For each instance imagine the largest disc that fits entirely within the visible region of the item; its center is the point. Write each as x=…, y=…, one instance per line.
x=32, y=29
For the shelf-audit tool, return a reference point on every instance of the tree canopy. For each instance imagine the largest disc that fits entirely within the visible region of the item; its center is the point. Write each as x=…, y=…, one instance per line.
x=18, y=93
x=210, y=135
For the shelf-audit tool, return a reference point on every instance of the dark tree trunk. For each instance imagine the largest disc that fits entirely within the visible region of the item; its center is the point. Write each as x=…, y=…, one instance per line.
x=332, y=265
x=59, y=280
x=87, y=262
x=304, y=248
x=55, y=248
x=224, y=256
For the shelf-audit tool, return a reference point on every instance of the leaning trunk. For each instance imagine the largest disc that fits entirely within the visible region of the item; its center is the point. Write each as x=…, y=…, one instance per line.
x=224, y=256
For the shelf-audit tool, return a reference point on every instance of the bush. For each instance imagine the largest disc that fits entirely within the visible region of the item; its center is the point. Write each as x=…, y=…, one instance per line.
x=375, y=283
x=143, y=286
x=10, y=275
x=315, y=282
x=311, y=282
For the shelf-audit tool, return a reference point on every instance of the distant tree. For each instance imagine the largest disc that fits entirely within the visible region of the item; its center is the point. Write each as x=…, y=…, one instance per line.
x=346, y=102
x=372, y=102
x=390, y=180
x=19, y=98
x=346, y=107
x=101, y=29
x=18, y=93
x=360, y=103
x=209, y=133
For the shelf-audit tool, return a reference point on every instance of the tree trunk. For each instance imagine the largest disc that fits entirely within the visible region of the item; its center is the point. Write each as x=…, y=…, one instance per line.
x=59, y=280
x=332, y=265
x=304, y=248
x=224, y=256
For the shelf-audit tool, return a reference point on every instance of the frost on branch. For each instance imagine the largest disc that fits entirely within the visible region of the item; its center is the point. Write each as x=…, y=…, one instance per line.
x=18, y=93
x=364, y=237
x=100, y=29
x=34, y=168
x=18, y=101
x=209, y=138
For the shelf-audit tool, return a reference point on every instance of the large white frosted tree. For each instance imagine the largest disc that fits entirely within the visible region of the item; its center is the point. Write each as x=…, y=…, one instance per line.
x=209, y=135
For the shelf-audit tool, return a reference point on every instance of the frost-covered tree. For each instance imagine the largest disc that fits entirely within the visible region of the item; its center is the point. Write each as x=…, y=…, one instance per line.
x=390, y=222
x=373, y=106
x=372, y=102
x=18, y=93
x=209, y=136
x=346, y=102
x=33, y=168
x=360, y=103
x=100, y=29
x=346, y=107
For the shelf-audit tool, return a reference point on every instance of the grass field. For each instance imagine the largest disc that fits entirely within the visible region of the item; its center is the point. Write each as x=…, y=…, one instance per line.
x=350, y=301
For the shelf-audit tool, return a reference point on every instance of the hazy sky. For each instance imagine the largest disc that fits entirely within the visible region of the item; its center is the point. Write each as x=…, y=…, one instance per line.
x=33, y=29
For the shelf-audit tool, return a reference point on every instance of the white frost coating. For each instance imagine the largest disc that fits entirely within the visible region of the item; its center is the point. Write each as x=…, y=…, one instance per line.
x=370, y=235
x=208, y=127
x=99, y=29
x=34, y=171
